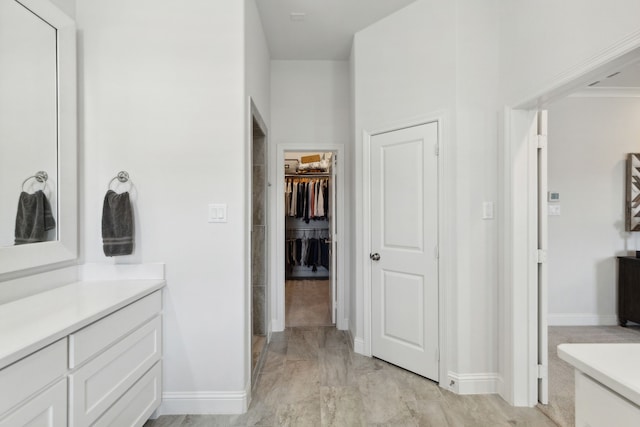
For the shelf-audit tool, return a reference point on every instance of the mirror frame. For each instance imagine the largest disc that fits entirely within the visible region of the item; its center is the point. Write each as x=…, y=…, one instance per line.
x=65, y=249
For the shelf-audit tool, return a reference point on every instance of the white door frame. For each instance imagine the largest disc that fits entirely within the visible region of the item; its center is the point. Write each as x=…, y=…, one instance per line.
x=444, y=234
x=518, y=304
x=277, y=291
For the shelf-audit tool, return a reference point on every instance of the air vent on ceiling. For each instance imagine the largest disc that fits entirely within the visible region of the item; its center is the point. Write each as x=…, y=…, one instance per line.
x=614, y=74
x=297, y=16
x=594, y=83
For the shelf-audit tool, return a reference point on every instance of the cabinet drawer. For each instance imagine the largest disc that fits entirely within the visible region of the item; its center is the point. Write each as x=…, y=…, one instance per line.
x=48, y=409
x=102, y=381
x=137, y=404
x=89, y=341
x=597, y=406
x=34, y=372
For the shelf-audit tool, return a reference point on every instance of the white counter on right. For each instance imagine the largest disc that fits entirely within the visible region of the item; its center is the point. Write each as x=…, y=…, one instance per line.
x=607, y=383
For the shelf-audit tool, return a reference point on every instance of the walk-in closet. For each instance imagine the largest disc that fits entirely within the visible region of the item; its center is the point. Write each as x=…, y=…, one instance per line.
x=309, y=221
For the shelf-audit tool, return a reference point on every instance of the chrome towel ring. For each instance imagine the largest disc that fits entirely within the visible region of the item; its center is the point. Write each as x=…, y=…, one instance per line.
x=40, y=176
x=122, y=176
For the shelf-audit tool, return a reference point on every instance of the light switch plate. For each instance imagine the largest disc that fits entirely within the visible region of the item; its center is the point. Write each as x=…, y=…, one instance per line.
x=217, y=212
x=487, y=210
x=554, y=210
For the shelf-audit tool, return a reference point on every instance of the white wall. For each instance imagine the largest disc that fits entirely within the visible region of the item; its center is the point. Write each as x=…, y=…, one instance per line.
x=544, y=40
x=441, y=58
x=309, y=102
x=257, y=62
x=162, y=95
x=474, y=163
x=310, y=106
x=257, y=70
x=589, y=139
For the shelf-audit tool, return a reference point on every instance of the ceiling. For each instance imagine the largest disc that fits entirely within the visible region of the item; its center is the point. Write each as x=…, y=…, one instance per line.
x=319, y=29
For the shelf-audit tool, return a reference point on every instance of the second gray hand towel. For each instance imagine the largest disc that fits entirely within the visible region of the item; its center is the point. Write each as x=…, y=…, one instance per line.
x=117, y=224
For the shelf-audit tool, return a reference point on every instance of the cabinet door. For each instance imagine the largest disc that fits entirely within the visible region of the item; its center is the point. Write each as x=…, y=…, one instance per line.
x=137, y=404
x=47, y=409
x=597, y=406
x=88, y=342
x=31, y=374
x=103, y=380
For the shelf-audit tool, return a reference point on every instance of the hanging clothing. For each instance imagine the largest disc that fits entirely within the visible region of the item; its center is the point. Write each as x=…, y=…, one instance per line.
x=307, y=198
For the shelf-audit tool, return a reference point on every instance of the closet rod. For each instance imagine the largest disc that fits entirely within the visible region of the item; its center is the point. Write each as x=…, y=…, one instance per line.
x=307, y=229
x=320, y=175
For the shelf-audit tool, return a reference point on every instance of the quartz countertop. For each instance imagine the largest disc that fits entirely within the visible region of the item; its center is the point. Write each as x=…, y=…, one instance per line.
x=614, y=365
x=31, y=323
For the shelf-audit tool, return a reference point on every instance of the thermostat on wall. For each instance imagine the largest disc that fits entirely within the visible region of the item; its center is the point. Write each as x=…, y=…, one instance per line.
x=553, y=196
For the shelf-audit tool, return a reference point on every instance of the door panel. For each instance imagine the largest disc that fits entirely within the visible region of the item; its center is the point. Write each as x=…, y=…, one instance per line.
x=404, y=232
x=401, y=305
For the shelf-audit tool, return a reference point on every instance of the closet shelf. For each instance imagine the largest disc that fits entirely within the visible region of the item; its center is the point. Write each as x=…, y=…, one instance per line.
x=307, y=175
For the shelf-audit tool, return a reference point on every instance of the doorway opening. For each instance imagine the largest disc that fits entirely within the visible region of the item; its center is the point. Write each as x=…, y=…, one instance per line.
x=309, y=224
x=529, y=376
x=309, y=288
x=259, y=236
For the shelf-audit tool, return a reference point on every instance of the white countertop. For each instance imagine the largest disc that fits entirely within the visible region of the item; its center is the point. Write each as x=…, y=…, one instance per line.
x=615, y=365
x=34, y=322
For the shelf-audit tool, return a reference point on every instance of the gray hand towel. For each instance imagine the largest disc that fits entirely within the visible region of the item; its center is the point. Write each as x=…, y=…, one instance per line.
x=34, y=218
x=117, y=224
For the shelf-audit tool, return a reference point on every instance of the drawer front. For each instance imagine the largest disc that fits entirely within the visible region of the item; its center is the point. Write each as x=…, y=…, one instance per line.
x=597, y=406
x=89, y=341
x=48, y=409
x=138, y=403
x=34, y=372
x=101, y=382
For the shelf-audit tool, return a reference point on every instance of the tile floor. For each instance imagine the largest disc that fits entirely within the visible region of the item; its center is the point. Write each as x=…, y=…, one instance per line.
x=307, y=303
x=311, y=377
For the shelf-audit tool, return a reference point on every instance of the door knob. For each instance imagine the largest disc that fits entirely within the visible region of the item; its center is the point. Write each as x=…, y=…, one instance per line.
x=375, y=257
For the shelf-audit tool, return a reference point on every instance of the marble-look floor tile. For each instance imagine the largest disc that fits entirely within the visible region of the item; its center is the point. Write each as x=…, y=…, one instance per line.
x=312, y=377
x=341, y=406
x=336, y=368
x=384, y=408
x=166, y=421
x=301, y=414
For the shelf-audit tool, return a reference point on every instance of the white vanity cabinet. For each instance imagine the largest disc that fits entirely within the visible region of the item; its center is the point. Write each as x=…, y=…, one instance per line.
x=33, y=391
x=98, y=361
x=97, y=384
x=607, y=383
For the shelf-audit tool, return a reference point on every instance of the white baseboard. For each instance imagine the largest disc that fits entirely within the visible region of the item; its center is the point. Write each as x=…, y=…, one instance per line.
x=583, y=319
x=358, y=346
x=485, y=383
x=203, y=403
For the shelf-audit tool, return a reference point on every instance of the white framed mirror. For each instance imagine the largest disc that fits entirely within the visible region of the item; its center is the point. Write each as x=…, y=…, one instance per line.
x=38, y=133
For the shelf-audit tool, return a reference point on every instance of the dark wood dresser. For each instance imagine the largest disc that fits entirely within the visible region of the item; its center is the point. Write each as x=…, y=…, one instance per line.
x=628, y=289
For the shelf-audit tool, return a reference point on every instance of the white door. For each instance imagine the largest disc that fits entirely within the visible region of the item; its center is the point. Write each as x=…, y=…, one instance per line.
x=543, y=338
x=404, y=247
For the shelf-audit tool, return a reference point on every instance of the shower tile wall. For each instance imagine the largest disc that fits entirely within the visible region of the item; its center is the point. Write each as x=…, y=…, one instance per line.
x=258, y=239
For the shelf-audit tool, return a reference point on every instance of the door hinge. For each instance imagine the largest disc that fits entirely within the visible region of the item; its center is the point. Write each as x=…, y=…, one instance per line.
x=437, y=355
x=437, y=149
x=543, y=371
x=436, y=252
x=542, y=141
x=541, y=256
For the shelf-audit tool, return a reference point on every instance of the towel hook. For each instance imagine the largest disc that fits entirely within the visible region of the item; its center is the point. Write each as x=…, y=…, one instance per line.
x=123, y=176
x=40, y=176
